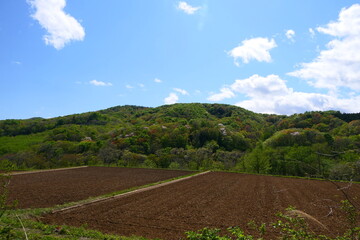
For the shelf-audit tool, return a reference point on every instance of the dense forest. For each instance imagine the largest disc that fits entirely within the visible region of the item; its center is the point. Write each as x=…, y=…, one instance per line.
x=189, y=136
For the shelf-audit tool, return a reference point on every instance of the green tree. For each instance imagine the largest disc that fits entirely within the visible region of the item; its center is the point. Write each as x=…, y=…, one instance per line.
x=258, y=161
x=109, y=154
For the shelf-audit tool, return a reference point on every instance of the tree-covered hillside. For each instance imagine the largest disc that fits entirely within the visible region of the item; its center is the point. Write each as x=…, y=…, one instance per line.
x=189, y=136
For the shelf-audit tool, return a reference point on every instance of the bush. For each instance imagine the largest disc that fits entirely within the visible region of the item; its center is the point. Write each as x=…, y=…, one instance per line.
x=346, y=171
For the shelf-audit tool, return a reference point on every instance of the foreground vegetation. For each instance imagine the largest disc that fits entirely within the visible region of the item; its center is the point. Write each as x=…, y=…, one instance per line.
x=289, y=227
x=189, y=136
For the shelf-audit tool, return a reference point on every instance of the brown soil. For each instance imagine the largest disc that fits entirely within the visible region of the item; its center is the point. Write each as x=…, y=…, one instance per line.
x=46, y=189
x=212, y=200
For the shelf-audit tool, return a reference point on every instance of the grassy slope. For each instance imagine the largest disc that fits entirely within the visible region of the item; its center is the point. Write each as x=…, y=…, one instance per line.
x=19, y=143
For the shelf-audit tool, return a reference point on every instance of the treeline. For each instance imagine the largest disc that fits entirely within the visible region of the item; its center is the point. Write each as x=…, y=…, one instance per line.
x=189, y=136
x=13, y=127
x=347, y=117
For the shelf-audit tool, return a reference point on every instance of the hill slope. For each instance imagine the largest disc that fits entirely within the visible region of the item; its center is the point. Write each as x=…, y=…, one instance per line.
x=189, y=136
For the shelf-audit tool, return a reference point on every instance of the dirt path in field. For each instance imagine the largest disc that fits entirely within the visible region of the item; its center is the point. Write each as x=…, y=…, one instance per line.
x=212, y=200
x=41, y=171
x=95, y=201
x=50, y=188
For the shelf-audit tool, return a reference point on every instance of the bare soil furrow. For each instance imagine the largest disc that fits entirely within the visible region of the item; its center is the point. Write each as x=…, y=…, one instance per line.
x=213, y=200
x=50, y=188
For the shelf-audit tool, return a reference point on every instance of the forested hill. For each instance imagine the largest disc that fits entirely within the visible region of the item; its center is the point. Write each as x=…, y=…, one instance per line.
x=189, y=136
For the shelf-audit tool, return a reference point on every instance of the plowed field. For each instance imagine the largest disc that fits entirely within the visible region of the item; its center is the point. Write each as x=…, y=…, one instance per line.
x=45, y=189
x=212, y=200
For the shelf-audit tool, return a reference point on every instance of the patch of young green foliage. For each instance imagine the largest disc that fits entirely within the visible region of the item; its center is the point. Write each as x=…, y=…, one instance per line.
x=214, y=234
x=37, y=230
x=19, y=143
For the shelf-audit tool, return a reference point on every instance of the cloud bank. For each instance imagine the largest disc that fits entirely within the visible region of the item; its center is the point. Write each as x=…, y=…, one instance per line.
x=338, y=65
x=335, y=69
x=271, y=94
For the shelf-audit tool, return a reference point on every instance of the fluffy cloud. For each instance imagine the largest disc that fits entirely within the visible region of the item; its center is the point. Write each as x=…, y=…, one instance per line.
x=297, y=102
x=188, y=9
x=255, y=48
x=157, y=80
x=61, y=27
x=348, y=23
x=290, y=34
x=270, y=94
x=224, y=93
x=181, y=91
x=261, y=87
x=100, y=83
x=174, y=97
x=338, y=65
x=171, y=99
x=254, y=87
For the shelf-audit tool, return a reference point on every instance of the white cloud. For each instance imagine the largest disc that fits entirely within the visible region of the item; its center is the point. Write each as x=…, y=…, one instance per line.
x=270, y=94
x=141, y=85
x=157, y=80
x=290, y=34
x=100, y=83
x=255, y=48
x=16, y=62
x=181, y=91
x=224, y=93
x=298, y=102
x=261, y=87
x=128, y=86
x=61, y=27
x=254, y=87
x=348, y=23
x=171, y=99
x=188, y=9
x=338, y=65
x=312, y=32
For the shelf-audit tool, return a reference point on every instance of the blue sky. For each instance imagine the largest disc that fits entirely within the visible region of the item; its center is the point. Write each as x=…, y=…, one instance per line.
x=59, y=57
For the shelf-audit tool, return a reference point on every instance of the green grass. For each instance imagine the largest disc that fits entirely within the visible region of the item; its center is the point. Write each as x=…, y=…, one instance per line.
x=19, y=143
x=37, y=230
